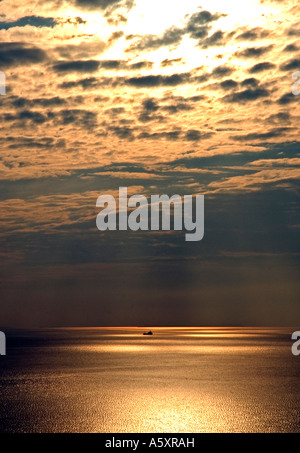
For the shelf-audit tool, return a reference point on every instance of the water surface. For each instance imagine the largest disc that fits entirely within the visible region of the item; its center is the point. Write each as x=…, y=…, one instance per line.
x=180, y=380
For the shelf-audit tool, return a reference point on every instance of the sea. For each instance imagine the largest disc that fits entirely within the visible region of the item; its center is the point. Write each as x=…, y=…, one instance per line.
x=178, y=380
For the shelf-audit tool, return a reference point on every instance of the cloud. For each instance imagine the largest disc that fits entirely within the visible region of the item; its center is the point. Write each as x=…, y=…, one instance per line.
x=260, y=67
x=115, y=36
x=228, y=84
x=252, y=34
x=172, y=136
x=291, y=65
x=197, y=26
x=294, y=162
x=26, y=115
x=254, y=52
x=79, y=117
x=21, y=102
x=216, y=39
x=165, y=63
x=81, y=51
x=74, y=21
x=221, y=71
x=193, y=135
x=291, y=48
x=279, y=118
x=150, y=107
x=28, y=142
x=246, y=95
x=255, y=181
x=202, y=18
x=90, y=66
x=15, y=54
x=101, y=4
x=287, y=98
x=140, y=65
x=294, y=31
x=86, y=83
x=277, y=132
x=125, y=133
x=33, y=21
x=151, y=42
x=250, y=81
x=158, y=80
x=76, y=66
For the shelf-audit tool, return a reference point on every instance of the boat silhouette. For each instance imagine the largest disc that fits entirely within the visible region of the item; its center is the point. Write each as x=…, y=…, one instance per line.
x=148, y=333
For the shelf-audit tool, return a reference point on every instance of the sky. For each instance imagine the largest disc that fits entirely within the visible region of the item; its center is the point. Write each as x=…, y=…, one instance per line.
x=162, y=97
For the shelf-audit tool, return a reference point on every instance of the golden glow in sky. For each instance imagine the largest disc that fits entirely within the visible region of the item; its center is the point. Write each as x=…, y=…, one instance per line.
x=160, y=96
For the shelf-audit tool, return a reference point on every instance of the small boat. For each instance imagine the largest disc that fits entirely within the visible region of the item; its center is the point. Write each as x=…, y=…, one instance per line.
x=148, y=333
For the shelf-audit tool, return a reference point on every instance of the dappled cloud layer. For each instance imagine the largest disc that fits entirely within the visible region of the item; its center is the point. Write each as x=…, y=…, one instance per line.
x=160, y=96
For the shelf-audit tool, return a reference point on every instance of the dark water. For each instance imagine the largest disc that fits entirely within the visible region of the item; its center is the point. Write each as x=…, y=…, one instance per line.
x=180, y=380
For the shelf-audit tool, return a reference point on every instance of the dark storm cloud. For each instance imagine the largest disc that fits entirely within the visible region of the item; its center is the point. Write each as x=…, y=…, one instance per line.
x=33, y=21
x=15, y=54
x=247, y=95
x=291, y=65
x=277, y=132
x=253, y=52
x=260, y=67
x=252, y=34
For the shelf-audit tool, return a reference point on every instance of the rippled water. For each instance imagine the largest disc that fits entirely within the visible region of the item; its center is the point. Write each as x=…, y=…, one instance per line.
x=180, y=380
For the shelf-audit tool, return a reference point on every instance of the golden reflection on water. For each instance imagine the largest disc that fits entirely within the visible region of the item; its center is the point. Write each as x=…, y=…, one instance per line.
x=180, y=380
